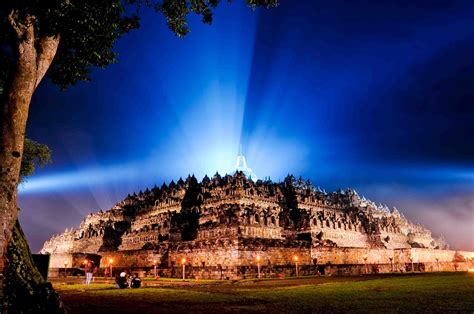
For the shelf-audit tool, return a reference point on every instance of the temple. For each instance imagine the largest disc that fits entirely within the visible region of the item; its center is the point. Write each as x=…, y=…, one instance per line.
x=222, y=223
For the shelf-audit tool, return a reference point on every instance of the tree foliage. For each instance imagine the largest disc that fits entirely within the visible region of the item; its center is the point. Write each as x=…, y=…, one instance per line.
x=88, y=29
x=34, y=154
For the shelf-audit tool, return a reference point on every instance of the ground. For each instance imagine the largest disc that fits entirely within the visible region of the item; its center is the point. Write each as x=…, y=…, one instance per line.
x=439, y=292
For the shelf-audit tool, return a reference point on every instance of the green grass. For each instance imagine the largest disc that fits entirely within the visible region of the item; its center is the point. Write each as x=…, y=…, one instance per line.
x=154, y=294
x=180, y=280
x=413, y=294
x=409, y=293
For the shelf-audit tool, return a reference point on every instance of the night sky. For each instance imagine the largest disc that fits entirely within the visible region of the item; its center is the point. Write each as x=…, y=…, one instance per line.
x=373, y=95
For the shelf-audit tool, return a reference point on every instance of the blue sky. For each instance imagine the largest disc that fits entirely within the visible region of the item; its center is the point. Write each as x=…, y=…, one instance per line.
x=370, y=95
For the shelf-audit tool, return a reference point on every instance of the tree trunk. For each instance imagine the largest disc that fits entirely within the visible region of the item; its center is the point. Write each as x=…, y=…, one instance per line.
x=13, y=124
x=33, y=57
x=26, y=291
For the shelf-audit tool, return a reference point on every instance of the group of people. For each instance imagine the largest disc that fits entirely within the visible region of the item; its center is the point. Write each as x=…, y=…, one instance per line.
x=123, y=280
x=90, y=269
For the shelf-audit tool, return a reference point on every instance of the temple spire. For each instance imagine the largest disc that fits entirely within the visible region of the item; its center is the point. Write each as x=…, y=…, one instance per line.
x=241, y=165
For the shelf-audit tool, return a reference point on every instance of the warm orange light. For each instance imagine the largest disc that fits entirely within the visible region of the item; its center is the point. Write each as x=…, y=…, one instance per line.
x=365, y=256
x=154, y=262
x=411, y=258
x=258, y=258
x=295, y=258
x=111, y=261
x=471, y=270
x=183, y=261
x=85, y=261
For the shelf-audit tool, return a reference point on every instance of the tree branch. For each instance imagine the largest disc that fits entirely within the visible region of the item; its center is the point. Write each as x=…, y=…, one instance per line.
x=24, y=31
x=19, y=32
x=47, y=48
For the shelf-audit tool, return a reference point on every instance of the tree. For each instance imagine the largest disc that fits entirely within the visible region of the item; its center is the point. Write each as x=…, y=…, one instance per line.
x=34, y=154
x=26, y=290
x=63, y=39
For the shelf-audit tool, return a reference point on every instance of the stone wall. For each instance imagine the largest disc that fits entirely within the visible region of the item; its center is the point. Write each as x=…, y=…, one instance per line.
x=381, y=256
x=219, y=253
x=427, y=255
x=221, y=232
x=341, y=237
x=133, y=259
x=234, y=260
x=394, y=240
x=138, y=240
x=260, y=232
x=59, y=260
x=90, y=245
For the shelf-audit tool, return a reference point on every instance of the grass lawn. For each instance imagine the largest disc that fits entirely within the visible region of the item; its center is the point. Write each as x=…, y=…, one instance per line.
x=403, y=293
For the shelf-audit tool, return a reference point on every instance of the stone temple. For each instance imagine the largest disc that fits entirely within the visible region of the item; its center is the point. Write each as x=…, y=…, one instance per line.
x=221, y=224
